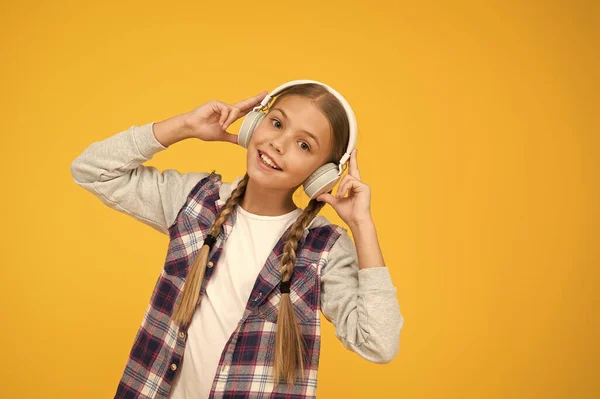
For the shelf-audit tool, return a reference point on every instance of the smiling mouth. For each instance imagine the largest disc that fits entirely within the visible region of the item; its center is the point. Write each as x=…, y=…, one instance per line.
x=264, y=162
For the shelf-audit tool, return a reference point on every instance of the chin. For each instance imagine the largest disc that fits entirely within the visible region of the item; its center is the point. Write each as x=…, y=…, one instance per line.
x=258, y=176
x=278, y=180
x=267, y=182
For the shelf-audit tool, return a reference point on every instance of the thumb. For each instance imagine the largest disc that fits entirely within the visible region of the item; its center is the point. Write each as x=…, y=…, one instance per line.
x=230, y=137
x=328, y=198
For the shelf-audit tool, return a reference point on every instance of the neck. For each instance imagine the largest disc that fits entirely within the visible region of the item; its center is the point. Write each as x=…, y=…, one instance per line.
x=267, y=201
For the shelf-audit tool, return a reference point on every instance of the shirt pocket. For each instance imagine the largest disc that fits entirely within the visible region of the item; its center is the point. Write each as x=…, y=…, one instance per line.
x=303, y=294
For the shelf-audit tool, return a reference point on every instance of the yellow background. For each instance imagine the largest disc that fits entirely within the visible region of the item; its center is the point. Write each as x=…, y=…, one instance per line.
x=479, y=136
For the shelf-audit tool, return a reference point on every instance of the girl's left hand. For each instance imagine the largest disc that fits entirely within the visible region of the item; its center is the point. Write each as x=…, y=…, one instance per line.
x=355, y=208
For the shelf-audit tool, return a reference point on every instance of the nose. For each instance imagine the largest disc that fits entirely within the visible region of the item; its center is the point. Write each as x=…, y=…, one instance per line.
x=276, y=147
x=278, y=143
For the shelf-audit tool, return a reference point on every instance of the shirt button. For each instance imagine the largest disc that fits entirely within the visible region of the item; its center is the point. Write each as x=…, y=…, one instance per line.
x=181, y=334
x=210, y=264
x=173, y=366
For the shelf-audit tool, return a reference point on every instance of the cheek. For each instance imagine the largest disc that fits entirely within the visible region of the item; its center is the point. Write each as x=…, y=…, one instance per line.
x=260, y=133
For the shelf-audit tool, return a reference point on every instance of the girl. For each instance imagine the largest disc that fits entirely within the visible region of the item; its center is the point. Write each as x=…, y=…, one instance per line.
x=235, y=310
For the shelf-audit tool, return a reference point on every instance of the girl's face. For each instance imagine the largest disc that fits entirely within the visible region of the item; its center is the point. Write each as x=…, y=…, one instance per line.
x=297, y=136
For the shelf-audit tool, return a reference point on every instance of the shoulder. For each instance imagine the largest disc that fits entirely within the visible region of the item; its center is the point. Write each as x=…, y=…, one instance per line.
x=322, y=225
x=331, y=235
x=341, y=244
x=210, y=194
x=212, y=184
x=200, y=197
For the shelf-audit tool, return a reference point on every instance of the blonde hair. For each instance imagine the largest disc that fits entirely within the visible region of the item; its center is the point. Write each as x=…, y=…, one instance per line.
x=290, y=349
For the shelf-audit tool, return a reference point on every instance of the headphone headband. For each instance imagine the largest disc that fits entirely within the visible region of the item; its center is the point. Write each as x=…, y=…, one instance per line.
x=349, y=113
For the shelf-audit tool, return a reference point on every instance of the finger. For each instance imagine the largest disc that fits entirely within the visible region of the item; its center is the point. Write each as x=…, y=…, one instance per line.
x=232, y=138
x=339, y=192
x=233, y=116
x=328, y=198
x=247, y=105
x=245, y=112
x=224, y=115
x=345, y=190
x=353, y=166
x=342, y=187
x=350, y=186
x=219, y=108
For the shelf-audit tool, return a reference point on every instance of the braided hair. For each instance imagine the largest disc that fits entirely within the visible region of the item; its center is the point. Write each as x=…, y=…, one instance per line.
x=290, y=350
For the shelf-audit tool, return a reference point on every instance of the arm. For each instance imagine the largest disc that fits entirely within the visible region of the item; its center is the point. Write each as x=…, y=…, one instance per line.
x=112, y=170
x=361, y=301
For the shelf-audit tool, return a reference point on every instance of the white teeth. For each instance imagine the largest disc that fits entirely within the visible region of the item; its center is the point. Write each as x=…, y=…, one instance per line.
x=268, y=161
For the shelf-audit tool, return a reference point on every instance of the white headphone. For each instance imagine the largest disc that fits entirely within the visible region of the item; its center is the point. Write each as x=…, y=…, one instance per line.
x=326, y=176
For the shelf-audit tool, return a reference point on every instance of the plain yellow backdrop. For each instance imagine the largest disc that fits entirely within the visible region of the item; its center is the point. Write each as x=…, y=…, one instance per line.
x=478, y=134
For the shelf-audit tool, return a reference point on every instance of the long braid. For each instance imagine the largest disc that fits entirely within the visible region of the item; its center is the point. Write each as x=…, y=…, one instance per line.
x=190, y=296
x=289, y=344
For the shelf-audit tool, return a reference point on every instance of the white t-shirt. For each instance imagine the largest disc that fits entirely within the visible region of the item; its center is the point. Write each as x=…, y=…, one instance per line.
x=245, y=252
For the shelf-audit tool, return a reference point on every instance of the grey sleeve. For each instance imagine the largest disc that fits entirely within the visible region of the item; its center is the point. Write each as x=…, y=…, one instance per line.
x=112, y=170
x=361, y=304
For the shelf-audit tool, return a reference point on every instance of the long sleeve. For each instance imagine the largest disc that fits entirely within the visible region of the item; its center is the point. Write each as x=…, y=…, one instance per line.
x=361, y=303
x=112, y=170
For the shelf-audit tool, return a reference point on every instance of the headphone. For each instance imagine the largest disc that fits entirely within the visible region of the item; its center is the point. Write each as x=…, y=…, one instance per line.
x=326, y=176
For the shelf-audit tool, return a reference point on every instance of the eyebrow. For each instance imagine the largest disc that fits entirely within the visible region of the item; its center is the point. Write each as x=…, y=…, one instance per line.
x=309, y=133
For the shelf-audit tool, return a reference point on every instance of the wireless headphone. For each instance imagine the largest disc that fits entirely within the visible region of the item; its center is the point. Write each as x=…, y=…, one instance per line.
x=326, y=176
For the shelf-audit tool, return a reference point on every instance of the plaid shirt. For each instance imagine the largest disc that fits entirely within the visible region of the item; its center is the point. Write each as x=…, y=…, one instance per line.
x=245, y=367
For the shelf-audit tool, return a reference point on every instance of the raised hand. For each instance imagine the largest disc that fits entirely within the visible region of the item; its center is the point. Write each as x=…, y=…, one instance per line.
x=356, y=207
x=209, y=122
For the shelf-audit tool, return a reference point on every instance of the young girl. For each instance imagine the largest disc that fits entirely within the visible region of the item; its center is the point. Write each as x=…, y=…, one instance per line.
x=235, y=310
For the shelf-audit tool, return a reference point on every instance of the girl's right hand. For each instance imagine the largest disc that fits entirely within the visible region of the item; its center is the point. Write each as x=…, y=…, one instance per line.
x=209, y=122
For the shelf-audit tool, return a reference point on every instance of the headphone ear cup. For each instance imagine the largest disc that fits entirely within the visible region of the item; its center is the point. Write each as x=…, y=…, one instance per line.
x=322, y=180
x=251, y=121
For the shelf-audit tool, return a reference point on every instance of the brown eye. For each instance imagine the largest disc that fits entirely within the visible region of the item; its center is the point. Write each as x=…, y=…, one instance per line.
x=307, y=146
x=275, y=120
